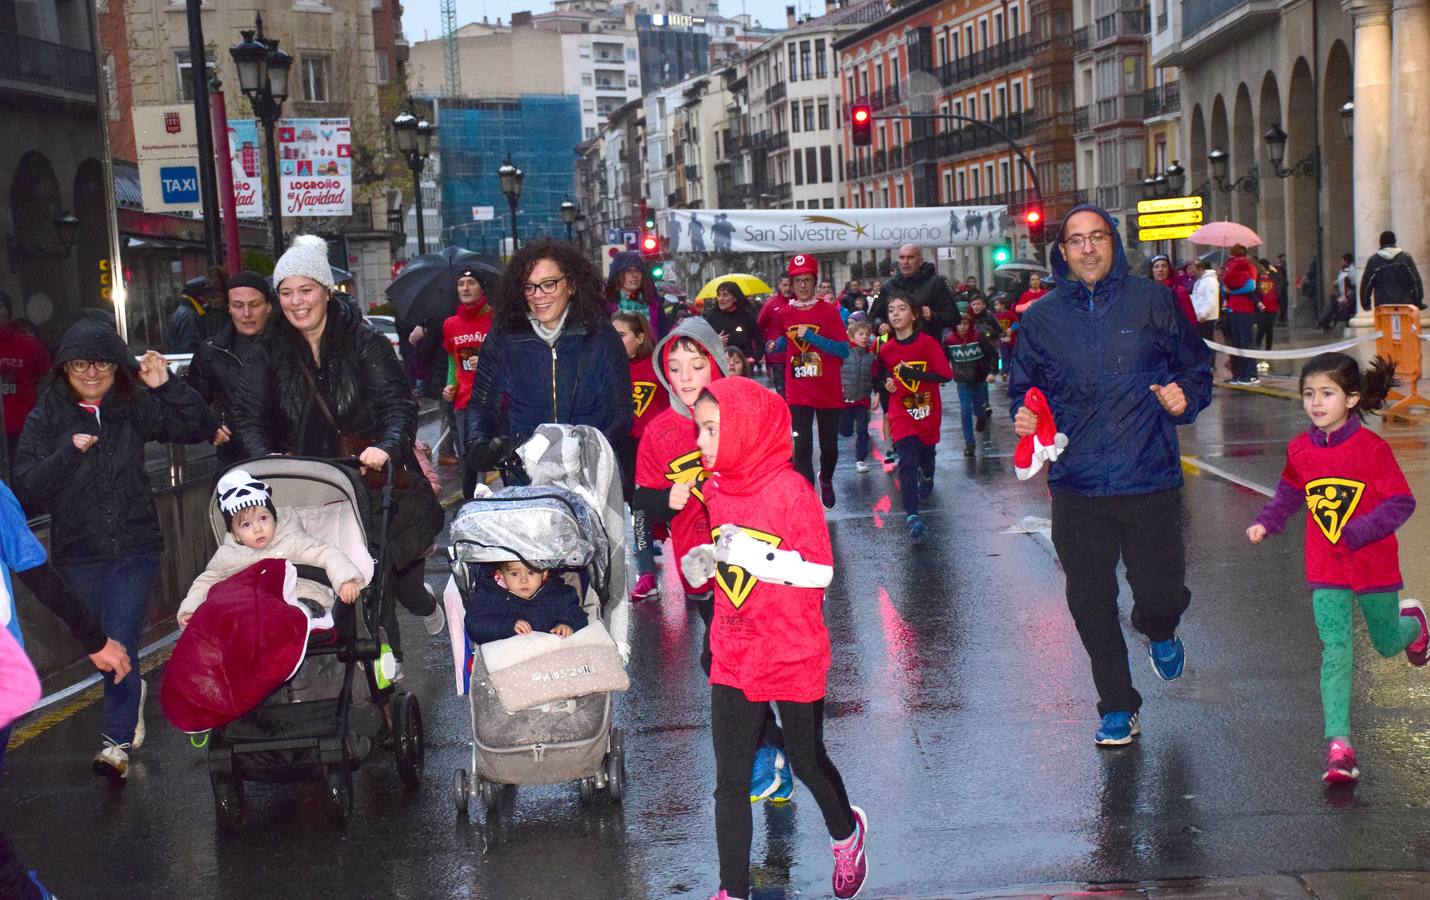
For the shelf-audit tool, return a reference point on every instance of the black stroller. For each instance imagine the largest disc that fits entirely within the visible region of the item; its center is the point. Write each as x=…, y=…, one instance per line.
x=324, y=722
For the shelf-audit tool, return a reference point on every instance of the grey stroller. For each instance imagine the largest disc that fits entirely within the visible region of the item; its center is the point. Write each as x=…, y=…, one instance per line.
x=570, y=518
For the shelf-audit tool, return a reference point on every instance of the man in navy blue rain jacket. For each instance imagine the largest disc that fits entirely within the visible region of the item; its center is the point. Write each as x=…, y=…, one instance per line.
x=1121, y=369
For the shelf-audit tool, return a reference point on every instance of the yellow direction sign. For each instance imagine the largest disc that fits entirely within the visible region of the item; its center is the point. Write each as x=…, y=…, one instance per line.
x=1169, y=204
x=1170, y=233
x=1185, y=217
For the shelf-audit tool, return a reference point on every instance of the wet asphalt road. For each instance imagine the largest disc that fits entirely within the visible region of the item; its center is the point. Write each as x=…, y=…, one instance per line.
x=961, y=714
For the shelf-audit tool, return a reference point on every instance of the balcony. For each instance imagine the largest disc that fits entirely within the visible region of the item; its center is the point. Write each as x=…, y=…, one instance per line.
x=1163, y=101
x=970, y=138
x=881, y=162
x=977, y=65
x=1111, y=110
x=1123, y=23
x=1080, y=40
x=884, y=97
x=45, y=64
x=851, y=170
x=692, y=173
x=779, y=140
x=1119, y=196
x=896, y=157
x=1081, y=120
x=776, y=92
x=1208, y=25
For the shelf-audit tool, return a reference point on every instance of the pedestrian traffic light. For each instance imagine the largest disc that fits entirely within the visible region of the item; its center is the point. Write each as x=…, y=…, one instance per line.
x=1034, y=218
x=1001, y=255
x=861, y=120
x=650, y=243
x=649, y=221
x=657, y=271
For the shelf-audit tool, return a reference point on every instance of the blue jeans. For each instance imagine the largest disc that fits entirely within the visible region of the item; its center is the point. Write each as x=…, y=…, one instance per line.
x=854, y=420
x=971, y=399
x=117, y=593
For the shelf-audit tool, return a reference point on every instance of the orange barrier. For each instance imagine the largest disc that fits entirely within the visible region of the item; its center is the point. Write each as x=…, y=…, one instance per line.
x=1399, y=327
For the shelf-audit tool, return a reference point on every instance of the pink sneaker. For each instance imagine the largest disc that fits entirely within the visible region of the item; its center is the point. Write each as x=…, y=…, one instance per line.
x=723, y=895
x=850, y=866
x=644, y=587
x=1340, y=764
x=1419, y=648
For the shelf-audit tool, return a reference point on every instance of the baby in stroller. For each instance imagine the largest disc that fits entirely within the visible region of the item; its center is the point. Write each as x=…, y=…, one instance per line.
x=256, y=532
x=520, y=599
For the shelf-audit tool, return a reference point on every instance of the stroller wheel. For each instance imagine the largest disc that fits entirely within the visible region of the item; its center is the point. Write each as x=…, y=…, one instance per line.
x=462, y=792
x=587, y=786
x=407, y=738
x=228, y=799
x=488, y=790
x=338, y=781
x=616, y=766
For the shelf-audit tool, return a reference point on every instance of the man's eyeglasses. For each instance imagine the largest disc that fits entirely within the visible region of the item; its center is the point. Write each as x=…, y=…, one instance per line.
x=76, y=366
x=1083, y=241
x=548, y=287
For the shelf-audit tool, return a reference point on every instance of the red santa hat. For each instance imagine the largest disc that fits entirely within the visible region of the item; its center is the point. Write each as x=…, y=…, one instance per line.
x=1045, y=444
x=802, y=264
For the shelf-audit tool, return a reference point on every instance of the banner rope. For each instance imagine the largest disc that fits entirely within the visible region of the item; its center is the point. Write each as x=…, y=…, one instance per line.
x=1297, y=353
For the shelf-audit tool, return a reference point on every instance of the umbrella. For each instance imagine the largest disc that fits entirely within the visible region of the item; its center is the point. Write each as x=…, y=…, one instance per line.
x=1224, y=234
x=750, y=284
x=426, y=289
x=1022, y=264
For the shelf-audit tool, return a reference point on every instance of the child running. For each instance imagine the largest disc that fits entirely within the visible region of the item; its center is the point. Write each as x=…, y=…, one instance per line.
x=771, y=560
x=913, y=366
x=1348, y=479
x=857, y=374
x=1008, y=323
x=971, y=354
x=650, y=401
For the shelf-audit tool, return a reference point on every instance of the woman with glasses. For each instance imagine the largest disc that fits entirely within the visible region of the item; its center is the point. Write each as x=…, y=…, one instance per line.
x=81, y=459
x=552, y=356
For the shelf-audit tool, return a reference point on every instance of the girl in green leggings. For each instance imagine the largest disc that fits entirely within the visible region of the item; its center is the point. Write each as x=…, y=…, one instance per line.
x=1356, y=497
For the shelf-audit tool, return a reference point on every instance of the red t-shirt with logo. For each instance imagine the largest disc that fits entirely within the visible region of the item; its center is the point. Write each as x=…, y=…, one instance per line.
x=462, y=337
x=649, y=398
x=812, y=376
x=668, y=454
x=915, y=408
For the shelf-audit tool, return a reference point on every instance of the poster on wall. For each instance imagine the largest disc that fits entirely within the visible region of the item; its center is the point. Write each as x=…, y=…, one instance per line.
x=244, y=157
x=315, y=166
x=819, y=231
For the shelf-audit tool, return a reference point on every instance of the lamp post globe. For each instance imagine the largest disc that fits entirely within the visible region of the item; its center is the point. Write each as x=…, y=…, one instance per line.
x=1176, y=178
x=1275, y=145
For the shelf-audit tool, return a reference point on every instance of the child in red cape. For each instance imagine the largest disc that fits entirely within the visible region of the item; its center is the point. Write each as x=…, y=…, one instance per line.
x=770, y=562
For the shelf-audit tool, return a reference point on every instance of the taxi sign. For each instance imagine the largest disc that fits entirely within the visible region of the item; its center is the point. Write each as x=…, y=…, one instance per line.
x=1154, y=220
x=1169, y=204
x=1170, y=233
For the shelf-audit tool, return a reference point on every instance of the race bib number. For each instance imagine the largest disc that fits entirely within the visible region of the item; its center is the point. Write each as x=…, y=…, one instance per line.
x=918, y=406
x=808, y=365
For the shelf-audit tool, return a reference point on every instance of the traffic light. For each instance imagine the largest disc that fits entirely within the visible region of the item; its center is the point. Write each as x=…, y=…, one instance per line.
x=657, y=271
x=861, y=120
x=1001, y=255
x=650, y=243
x=649, y=221
x=1034, y=219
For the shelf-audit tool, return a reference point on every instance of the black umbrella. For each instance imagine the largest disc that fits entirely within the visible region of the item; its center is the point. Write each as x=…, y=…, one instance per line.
x=426, y=289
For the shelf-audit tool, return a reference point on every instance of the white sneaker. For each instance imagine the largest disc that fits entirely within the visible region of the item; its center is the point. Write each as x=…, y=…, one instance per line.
x=861, y=467
x=435, y=622
x=139, y=724
x=112, y=761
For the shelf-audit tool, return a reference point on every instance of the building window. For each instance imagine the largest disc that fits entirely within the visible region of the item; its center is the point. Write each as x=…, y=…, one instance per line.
x=811, y=164
x=586, y=79
x=826, y=161
x=968, y=39
x=793, y=62
x=998, y=27
x=900, y=187
x=799, y=168
x=590, y=132
x=585, y=51
x=962, y=180
x=987, y=106
x=1013, y=21
x=823, y=115
x=821, y=59
x=794, y=117
x=630, y=54
x=632, y=81
x=1003, y=174
x=809, y=115
x=315, y=78
x=186, y=93
x=1002, y=100
x=976, y=185
x=983, y=33
x=805, y=72
x=973, y=107
x=828, y=202
x=942, y=49
x=384, y=74
x=947, y=187
x=1017, y=96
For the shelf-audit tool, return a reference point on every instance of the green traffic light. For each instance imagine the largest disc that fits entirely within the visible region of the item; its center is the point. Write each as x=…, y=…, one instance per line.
x=657, y=272
x=1000, y=255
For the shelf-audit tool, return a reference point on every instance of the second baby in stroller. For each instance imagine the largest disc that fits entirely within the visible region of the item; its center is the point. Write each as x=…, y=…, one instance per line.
x=519, y=599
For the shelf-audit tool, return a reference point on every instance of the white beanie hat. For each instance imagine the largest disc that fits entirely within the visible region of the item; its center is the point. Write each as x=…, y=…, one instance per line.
x=308, y=256
x=239, y=490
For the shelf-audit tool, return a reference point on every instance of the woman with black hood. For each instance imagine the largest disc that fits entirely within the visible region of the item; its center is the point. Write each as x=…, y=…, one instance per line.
x=218, y=362
x=81, y=458
x=733, y=318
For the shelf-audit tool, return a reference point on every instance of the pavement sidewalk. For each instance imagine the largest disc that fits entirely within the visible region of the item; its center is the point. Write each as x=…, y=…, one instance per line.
x=1306, y=886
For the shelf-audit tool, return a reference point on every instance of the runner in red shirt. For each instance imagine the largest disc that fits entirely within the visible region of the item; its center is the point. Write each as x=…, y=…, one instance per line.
x=769, y=322
x=23, y=362
x=462, y=338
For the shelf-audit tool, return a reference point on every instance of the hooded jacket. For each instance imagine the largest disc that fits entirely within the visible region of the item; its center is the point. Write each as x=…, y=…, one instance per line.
x=1391, y=277
x=767, y=639
x=928, y=287
x=647, y=303
x=1095, y=354
x=463, y=334
x=214, y=372
x=769, y=322
x=668, y=454
x=99, y=499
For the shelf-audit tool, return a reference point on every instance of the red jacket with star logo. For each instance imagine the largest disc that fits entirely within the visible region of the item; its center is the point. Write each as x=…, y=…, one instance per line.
x=768, y=640
x=915, y=408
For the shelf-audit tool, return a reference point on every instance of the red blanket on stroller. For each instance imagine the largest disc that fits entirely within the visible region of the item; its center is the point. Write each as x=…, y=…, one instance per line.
x=240, y=646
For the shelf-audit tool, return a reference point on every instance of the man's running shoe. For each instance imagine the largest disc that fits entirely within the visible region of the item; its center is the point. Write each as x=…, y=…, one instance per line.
x=916, y=527
x=1340, y=764
x=764, y=779
x=644, y=587
x=724, y=895
x=786, y=777
x=436, y=620
x=1420, y=647
x=826, y=493
x=850, y=865
x=139, y=729
x=1118, y=729
x=891, y=458
x=981, y=422
x=1168, y=658
x=112, y=761
x=861, y=467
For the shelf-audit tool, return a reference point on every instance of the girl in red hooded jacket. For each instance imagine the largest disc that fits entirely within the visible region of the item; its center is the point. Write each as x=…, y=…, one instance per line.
x=770, y=561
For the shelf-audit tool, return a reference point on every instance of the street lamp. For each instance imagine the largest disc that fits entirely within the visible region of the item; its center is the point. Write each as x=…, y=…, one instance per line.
x=581, y=225
x=1348, y=111
x=263, y=78
x=1176, y=178
x=511, y=178
x=414, y=141
x=66, y=226
x=1249, y=183
x=1276, y=149
x=568, y=215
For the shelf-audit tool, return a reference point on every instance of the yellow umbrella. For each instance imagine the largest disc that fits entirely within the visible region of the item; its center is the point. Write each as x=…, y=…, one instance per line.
x=747, y=283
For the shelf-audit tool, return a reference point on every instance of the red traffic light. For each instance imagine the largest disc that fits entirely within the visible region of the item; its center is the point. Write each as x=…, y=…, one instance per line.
x=1034, y=217
x=861, y=115
x=650, y=243
x=861, y=125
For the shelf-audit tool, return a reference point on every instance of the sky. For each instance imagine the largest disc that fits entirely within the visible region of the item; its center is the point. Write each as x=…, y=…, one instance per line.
x=422, y=19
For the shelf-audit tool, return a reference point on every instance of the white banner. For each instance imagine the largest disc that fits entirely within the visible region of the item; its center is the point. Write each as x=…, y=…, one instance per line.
x=315, y=166
x=825, y=230
x=247, y=175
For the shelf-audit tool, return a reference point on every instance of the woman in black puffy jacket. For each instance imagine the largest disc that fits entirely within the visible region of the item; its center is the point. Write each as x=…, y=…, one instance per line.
x=733, y=318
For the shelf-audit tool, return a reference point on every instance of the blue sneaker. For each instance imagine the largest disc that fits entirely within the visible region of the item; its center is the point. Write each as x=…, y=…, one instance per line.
x=764, y=781
x=1118, y=729
x=1167, y=657
x=786, y=777
x=916, y=527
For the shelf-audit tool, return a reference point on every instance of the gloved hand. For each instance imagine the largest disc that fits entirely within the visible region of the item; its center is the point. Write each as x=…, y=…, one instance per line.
x=698, y=564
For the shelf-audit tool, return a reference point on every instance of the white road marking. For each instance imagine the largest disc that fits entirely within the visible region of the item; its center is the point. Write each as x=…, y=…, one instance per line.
x=1228, y=476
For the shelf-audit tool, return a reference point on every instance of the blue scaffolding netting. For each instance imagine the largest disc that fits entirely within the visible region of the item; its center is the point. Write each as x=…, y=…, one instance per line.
x=539, y=133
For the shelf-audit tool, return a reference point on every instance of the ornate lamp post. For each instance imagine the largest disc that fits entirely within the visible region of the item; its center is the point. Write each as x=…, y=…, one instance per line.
x=568, y=215
x=263, y=78
x=511, y=178
x=414, y=141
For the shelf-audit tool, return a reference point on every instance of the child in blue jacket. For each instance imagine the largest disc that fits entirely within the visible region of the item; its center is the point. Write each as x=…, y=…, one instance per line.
x=520, y=600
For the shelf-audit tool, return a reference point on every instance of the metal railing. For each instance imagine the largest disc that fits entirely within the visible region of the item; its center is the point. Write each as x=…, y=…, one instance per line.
x=1164, y=100
x=883, y=97
x=1080, y=42
x=776, y=92
x=975, y=65
x=41, y=62
x=881, y=162
x=1123, y=23
x=1081, y=120
x=970, y=138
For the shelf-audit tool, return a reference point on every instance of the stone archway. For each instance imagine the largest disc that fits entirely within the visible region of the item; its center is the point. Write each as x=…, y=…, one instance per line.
x=1301, y=193
x=1272, y=212
x=1337, y=175
x=1197, y=151
x=35, y=203
x=1220, y=138
x=1243, y=158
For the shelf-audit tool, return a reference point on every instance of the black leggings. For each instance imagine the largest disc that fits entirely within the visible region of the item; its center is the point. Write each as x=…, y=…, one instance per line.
x=770, y=734
x=805, y=419
x=735, y=726
x=409, y=585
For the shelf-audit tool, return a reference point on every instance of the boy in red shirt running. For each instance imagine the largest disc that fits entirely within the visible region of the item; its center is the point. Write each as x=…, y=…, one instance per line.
x=462, y=338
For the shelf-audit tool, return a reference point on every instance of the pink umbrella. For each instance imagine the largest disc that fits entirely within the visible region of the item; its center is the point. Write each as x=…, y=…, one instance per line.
x=1224, y=234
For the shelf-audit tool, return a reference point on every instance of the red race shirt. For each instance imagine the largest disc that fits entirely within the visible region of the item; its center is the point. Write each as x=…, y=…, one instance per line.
x=915, y=407
x=23, y=363
x=649, y=397
x=668, y=454
x=462, y=337
x=812, y=376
